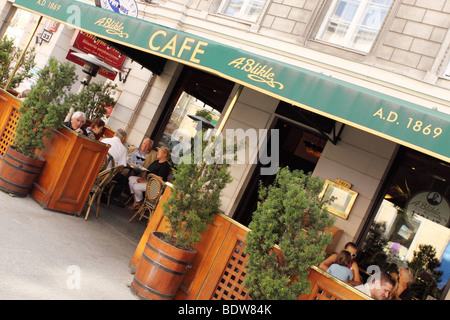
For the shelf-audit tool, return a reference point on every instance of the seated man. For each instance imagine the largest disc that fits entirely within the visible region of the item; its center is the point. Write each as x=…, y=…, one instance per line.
x=144, y=154
x=117, y=149
x=76, y=123
x=378, y=286
x=140, y=156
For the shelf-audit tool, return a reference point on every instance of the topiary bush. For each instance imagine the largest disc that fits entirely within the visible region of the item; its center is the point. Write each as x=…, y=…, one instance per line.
x=289, y=215
x=44, y=107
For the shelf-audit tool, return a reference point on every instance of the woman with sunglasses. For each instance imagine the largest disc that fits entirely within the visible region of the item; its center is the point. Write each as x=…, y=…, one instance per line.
x=353, y=266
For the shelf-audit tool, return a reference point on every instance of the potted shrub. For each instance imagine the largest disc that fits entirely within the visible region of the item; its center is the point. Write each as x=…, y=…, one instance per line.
x=94, y=99
x=10, y=59
x=42, y=110
x=194, y=200
x=290, y=216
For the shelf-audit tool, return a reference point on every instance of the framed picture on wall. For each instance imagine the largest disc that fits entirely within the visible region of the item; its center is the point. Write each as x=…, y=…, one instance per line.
x=340, y=198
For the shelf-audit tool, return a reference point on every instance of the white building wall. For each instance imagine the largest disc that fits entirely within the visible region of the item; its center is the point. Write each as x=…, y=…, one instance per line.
x=253, y=110
x=363, y=160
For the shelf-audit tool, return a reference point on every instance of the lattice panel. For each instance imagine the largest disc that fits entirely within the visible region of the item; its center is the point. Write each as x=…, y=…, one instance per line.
x=323, y=294
x=10, y=131
x=231, y=283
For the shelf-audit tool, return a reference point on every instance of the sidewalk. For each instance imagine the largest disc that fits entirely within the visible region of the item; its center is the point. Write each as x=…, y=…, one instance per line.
x=49, y=255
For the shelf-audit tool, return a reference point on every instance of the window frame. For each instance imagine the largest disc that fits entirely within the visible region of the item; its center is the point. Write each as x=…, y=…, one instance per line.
x=353, y=25
x=224, y=5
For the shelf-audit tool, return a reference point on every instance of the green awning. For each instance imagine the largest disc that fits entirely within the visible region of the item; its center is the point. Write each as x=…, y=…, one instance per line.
x=406, y=123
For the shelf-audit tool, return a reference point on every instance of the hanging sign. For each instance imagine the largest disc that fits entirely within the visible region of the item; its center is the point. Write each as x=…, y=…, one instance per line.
x=431, y=205
x=90, y=44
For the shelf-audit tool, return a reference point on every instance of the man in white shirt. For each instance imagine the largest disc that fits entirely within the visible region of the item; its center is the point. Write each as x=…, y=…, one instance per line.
x=117, y=150
x=378, y=286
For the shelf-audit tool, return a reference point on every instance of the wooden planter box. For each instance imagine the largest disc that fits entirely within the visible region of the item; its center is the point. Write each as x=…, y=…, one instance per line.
x=218, y=269
x=72, y=161
x=9, y=116
x=72, y=164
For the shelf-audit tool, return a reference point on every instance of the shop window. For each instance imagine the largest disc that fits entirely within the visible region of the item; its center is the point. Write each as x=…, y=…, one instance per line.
x=197, y=100
x=242, y=9
x=413, y=219
x=354, y=24
x=185, y=118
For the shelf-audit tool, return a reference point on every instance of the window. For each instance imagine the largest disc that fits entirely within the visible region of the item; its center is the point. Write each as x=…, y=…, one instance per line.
x=447, y=71
x=354, y=24
x=242, y=9
x=413, y=215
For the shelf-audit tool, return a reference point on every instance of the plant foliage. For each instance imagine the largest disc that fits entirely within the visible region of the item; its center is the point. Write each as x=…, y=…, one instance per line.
x=44, y=107
x=196, y=195
x=9, y=56
x=289, y=215
x=94, y=99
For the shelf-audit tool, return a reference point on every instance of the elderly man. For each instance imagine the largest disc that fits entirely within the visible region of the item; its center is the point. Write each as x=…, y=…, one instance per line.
x=117, y=149
x=76, y=123
x=145, y=153
x=141, y=156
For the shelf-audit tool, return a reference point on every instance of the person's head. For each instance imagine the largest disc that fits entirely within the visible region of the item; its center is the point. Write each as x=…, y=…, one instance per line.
x=162, y=153
x=121, y=134
x=393, y=271
x=405, y=275
x=381, y=285
x=97, y=126
x=351, y=248
x=77, y=120
x=343, y=258
x=146, y=145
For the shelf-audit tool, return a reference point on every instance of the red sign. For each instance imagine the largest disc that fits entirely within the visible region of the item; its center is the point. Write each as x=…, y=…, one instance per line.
x=107, y=74
x=90, y=44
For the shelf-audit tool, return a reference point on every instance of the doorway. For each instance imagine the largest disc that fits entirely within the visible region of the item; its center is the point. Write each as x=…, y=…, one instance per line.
x=298, y=149
x=196, y=93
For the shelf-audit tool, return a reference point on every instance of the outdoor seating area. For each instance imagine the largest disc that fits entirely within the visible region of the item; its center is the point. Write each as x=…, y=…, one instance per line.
x=218, y=271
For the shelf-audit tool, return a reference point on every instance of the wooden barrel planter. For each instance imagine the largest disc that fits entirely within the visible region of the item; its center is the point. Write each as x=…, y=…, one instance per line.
x=18, y=172
x=160, y=270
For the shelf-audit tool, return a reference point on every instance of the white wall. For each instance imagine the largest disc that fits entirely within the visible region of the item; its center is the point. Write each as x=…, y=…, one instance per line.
x=361, y=159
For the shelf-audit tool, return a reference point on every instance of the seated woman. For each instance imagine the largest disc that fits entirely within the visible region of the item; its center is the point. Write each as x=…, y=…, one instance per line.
x=340, y=269
x=76, y=122
x=95, y=130
x=138, y=185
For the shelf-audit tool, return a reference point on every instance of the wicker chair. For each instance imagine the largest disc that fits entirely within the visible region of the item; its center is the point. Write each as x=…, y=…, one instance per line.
x=102, y=180
x=155, y=187
x=108, y=160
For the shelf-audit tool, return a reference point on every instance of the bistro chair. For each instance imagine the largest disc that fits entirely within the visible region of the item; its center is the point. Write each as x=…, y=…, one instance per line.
x=102, y=180
x=155, y=187
x=108, y=160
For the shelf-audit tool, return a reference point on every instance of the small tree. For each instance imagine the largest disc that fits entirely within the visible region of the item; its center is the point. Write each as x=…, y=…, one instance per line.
x=425, y=265
x=94, y=99
x=44, y=107
x=291, y=216
x=9, y=56
x=196, y=193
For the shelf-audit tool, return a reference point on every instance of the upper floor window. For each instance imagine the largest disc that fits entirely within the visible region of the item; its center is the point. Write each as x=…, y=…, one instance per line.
x=447, y=71
x=242, y=9
x=354, y=24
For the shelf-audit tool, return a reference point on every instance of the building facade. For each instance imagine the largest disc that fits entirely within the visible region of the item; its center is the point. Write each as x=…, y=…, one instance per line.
x=367, y=50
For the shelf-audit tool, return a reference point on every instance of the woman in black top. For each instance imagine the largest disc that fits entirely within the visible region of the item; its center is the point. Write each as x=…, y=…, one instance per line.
x=159, y=167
